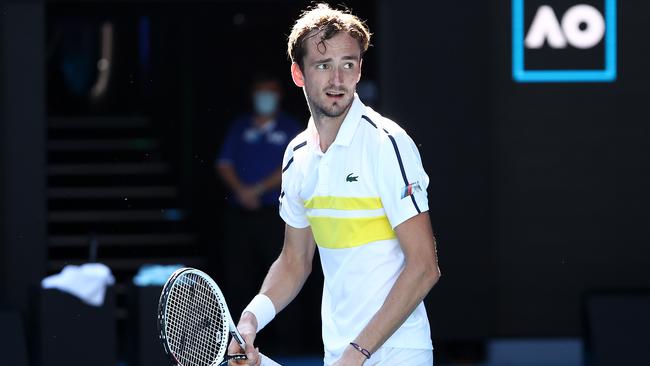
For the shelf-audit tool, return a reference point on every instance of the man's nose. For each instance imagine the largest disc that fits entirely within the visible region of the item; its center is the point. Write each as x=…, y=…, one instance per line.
x=337, y=76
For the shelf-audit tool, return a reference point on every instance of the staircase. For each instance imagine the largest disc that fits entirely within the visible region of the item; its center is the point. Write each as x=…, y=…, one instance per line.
x=114, y=196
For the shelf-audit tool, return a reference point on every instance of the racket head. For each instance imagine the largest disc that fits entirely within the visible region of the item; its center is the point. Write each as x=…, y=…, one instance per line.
x=193, y=319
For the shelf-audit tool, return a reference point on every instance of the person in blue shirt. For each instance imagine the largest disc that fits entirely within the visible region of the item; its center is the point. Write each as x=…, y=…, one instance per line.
x=250, y=161
x=250, y=165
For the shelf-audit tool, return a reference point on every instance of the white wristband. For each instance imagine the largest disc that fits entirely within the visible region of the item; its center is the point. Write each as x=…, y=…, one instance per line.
x=263, y=309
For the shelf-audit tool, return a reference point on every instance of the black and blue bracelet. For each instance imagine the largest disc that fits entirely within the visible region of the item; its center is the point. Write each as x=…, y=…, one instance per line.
x=363, y=351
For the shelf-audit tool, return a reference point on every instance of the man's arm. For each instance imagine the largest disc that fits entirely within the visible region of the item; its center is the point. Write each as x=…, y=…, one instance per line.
x=419, y=275
x=283, y=282
x=290, y=271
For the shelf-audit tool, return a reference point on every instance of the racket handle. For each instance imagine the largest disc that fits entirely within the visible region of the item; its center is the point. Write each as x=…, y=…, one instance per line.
x=267, y=361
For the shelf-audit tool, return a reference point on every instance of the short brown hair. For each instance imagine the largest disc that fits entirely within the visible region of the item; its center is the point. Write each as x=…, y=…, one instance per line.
x=326, y=22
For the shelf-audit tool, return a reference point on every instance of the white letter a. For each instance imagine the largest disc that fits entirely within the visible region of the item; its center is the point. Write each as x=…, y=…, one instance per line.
x=545, y=26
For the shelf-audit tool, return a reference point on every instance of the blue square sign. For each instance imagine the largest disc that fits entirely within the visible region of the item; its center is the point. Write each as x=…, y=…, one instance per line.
x=563, y=42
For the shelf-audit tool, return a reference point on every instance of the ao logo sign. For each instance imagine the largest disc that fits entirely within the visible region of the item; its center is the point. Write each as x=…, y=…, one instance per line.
x=580, y=36
x=582, y=26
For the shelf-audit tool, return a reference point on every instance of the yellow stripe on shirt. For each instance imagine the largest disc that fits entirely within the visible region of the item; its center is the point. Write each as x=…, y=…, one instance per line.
x=344, y=203
x=340, y=233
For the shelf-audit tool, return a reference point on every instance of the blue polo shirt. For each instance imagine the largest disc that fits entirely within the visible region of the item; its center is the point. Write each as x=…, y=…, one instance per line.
x=255, y=153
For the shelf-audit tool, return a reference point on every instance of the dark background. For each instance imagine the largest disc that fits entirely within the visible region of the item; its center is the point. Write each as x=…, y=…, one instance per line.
x=538, y=192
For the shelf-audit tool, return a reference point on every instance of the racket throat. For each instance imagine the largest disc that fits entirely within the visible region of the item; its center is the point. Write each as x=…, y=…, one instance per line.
x=238, y=338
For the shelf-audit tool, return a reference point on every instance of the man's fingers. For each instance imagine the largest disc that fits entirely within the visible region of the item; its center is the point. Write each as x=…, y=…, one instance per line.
x=252, y=358
x=253, y=355
x=248, y=334
x=249, y=347
x=234, y=347
x=247, y=330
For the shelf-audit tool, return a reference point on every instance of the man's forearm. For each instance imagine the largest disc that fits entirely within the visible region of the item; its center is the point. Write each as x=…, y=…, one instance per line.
x=290, y=271
x=285, y=280
x=411, y=287
x=281, y=285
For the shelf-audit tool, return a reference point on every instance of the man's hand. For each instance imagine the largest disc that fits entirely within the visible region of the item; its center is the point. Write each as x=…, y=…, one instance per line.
x=249, y=198
x=248, y=329
x=351, y=357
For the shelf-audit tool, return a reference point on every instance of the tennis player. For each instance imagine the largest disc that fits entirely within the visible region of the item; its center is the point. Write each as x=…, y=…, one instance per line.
x=353, y=186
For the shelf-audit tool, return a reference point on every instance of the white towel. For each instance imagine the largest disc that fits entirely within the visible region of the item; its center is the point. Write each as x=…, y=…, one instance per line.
x=88, y=282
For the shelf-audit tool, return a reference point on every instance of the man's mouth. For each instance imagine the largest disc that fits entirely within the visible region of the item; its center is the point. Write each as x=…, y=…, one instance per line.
x=335, y=94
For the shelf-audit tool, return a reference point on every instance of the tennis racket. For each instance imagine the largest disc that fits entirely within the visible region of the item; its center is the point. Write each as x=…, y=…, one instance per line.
x=194, y=321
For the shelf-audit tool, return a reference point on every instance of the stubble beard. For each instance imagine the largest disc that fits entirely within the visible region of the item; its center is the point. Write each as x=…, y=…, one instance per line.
x=330, y=111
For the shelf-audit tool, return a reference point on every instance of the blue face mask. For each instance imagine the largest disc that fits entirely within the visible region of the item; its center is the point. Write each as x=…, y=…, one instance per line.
x=265, y=102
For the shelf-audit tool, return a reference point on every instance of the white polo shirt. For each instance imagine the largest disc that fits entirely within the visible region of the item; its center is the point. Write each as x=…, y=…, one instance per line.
x=369, y=181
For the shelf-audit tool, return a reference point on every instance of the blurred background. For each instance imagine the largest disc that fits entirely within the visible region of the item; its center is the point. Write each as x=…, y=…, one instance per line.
x=113, y=114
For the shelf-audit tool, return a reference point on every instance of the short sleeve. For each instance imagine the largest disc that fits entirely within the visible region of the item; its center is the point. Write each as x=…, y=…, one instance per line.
x=292, y=209
x=402, y=181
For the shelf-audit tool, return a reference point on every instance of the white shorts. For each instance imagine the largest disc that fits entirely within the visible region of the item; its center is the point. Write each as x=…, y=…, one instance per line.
x=387, y=356
x=401, y=356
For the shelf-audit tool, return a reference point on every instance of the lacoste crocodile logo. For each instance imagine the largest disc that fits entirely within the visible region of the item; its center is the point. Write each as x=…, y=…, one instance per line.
x=350, y=178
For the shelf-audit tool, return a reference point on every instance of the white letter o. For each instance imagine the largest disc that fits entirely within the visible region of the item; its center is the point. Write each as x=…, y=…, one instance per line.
x=583, y=38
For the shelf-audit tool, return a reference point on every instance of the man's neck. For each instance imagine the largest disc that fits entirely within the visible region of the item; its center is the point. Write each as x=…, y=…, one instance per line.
x=328, y=128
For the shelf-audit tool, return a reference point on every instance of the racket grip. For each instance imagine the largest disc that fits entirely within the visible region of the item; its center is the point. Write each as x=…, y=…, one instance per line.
x=267, y=361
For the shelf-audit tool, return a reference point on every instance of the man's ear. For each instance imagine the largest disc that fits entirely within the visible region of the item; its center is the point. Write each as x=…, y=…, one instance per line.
x=297, y=76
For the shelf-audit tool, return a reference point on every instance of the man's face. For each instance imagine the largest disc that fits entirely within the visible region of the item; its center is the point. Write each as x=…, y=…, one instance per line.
x=331, y=73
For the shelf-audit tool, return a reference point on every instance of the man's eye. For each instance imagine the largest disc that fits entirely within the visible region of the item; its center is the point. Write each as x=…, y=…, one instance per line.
x=322, y=66
x=348, y=65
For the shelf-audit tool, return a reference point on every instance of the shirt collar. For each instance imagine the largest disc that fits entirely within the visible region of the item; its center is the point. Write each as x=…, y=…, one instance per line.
x=347, y=129
x=350, y=123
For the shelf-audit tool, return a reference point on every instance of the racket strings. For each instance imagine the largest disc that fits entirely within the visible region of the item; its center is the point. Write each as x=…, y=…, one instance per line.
x=196, y=347
x=206, y=348
x=195, y=329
